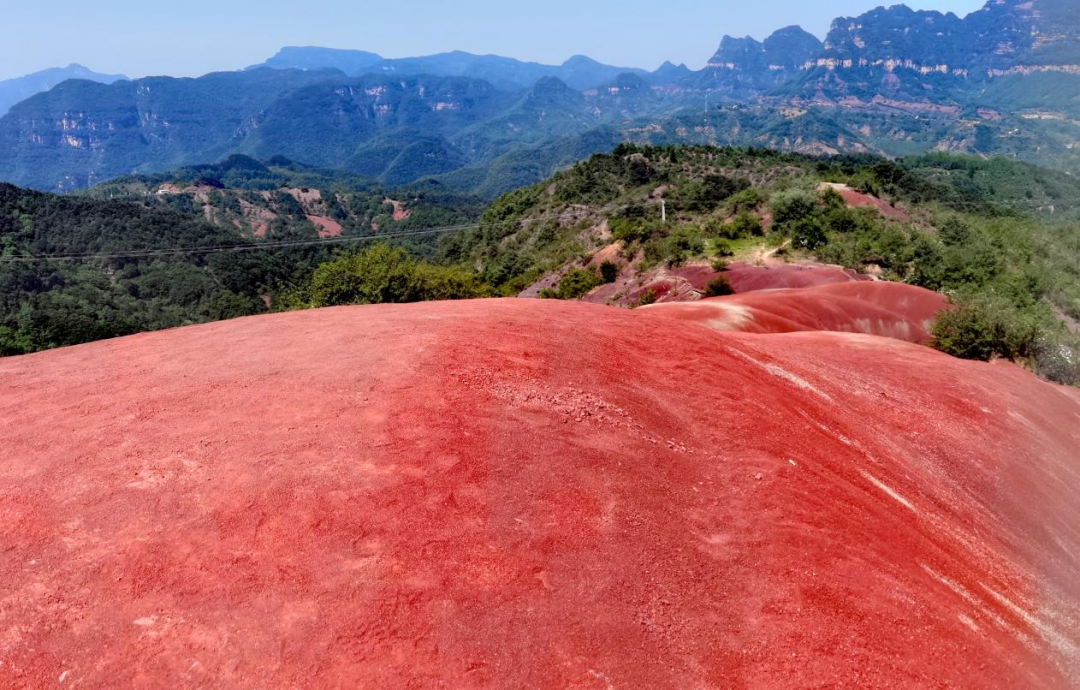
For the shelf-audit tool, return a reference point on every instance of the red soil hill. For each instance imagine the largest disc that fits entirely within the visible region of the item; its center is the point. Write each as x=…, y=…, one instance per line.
x=780, y=275
x=891, y=310
x=532, y=493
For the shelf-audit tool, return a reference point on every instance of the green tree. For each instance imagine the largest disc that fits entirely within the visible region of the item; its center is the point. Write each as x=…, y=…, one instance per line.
x=381, y=274
x=792, y=205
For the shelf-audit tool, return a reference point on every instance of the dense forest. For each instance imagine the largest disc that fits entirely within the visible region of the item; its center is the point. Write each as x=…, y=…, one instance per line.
x=123, y=258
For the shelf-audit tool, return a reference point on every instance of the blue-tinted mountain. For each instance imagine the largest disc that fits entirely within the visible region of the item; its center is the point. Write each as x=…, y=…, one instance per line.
x=82, y=132
x=504, y=73
x=19, y=89
x=745, y=67
x=391, y=127
x=893, y=81
x=312, y=58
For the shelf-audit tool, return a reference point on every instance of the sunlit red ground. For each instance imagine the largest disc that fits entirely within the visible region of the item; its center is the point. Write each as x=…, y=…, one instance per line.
x=532, y=493
x=892, y=310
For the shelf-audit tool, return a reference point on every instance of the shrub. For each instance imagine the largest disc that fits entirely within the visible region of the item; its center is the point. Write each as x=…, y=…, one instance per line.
x=983, y=328
x=792, y=205
x=630, y=230
x=807, y=233
x=575, y=284
x=845, y=220
x=609, y=271
x=381, y=274
x=746, y=225
x=708, y=193
x=954, y=231
x=723, y=249
x=718, y=287
x=831, y=199
x=648, y=297
x=675, y=249
x=746, y=201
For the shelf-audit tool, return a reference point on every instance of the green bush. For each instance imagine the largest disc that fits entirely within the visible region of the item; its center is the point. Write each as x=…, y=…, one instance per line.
x=683, y=244
x=792, y=205
x=741, y=226
x=807, y=233
x=723, y=250
x=577, y=283
x=706, y=194
x=631, y=230
x=719, y=287
x=746, y=201
x=609, y=271
x=983, y=328
x=832, y=199
x=746, y=225
x=648, y=297
x=381, y=274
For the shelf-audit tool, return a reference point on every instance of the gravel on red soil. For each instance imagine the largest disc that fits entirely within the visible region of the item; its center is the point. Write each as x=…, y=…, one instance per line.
x=532, y=493
x=892, y=310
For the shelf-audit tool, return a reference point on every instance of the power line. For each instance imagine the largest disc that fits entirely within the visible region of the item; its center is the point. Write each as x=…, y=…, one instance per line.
x=283, y=244
x=254, y=246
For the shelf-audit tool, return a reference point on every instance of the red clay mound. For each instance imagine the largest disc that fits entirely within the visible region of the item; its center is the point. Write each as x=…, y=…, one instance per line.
x=892, y=310
x=532, y=493
x=856, y=199
x=777, y=276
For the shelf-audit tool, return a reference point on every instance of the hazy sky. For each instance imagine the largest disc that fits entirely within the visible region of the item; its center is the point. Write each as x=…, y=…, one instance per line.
x=192, y=37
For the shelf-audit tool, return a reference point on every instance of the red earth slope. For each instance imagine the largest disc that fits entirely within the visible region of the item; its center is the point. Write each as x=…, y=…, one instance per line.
x=891, y=310
x=532, y=493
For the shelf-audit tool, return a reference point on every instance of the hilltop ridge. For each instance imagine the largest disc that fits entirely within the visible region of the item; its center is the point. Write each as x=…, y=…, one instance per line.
x=535, y=493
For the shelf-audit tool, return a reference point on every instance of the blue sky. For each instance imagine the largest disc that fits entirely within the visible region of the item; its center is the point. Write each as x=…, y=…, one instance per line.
x=193, y=37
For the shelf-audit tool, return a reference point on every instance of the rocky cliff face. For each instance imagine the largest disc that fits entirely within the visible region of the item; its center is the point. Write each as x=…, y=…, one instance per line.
x=897, y=52
x=744, y=66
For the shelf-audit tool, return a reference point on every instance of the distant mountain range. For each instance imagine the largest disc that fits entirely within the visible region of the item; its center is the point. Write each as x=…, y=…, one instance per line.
x=507, y=74
x=14, y=90
x=1002, y=81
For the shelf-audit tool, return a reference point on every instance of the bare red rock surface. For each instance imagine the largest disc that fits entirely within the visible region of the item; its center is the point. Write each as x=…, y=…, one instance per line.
x=400, y=212
x=891, y=310
x=532, y=493
x=775, y=275
x=327, y=227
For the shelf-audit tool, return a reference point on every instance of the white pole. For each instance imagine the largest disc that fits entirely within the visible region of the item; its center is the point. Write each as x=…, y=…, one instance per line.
x=663, y=211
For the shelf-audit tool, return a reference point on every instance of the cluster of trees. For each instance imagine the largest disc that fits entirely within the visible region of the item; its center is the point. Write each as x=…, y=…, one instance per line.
x=117, y=280
x=382, y=275
x=50, y=303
